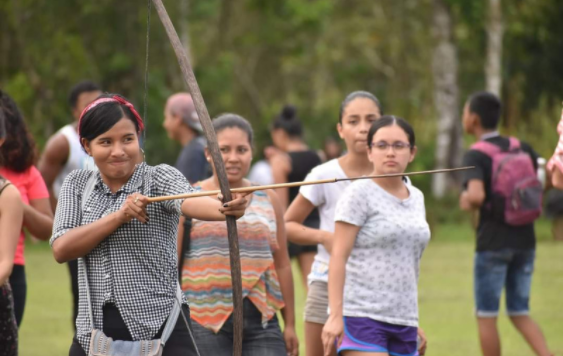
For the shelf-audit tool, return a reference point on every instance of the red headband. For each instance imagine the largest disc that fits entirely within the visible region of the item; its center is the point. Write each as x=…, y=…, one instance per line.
x=117, y=99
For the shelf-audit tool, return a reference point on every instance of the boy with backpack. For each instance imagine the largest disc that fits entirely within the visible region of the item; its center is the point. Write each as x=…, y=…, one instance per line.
x=505, y=189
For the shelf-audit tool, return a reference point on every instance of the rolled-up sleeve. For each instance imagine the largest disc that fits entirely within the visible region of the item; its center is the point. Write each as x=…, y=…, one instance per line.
x=69, y=213
x=170, y=181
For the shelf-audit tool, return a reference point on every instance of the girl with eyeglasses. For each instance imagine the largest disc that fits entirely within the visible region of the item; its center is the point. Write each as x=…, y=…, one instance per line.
x=380, y=235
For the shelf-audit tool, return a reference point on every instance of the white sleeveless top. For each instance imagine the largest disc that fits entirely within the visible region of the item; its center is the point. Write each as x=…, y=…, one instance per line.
x=77, y=158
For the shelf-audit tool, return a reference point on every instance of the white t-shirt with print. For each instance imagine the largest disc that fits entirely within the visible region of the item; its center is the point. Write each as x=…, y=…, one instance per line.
x=324, y=197
x=383, y=267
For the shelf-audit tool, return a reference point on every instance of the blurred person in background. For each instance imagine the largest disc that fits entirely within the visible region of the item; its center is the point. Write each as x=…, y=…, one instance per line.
x=63, y=154
x=11, y=218
x=182, y=125
x=17, y=156
x=555, y=164
x=287, y=136
x=505, y=251
x=332, y=148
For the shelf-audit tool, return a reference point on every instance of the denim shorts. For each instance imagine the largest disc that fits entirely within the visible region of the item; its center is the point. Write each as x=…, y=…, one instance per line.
x=258, y=339
x=507, y=268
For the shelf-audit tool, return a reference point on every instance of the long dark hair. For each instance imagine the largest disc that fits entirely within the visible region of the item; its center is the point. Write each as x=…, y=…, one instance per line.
x=18, y=151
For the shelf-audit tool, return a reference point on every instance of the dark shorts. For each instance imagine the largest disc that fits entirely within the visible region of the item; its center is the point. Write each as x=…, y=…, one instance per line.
x=508, y=269
x=295, y=250
x=364, y=334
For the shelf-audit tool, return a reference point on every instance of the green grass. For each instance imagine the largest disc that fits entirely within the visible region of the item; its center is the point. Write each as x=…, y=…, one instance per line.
x=446, y=298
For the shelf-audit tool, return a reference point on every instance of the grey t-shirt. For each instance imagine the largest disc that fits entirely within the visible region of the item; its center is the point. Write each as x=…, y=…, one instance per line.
x=383, y=267
x=192, y=162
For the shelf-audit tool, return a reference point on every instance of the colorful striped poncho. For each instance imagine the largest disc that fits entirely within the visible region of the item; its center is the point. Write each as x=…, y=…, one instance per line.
x=206, y=275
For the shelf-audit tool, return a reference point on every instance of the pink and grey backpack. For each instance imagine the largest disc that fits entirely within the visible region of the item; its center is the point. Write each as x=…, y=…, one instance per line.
x=517, y=192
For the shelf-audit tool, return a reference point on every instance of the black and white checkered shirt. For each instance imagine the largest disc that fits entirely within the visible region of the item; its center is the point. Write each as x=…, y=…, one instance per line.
x=135, y=267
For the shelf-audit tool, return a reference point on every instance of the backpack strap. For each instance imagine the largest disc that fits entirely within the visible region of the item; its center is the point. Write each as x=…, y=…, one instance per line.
x=88, y=189
x=514, y=144
x=490, y=149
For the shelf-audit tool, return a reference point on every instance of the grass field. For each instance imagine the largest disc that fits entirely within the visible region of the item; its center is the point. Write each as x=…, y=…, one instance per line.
x=446, y=302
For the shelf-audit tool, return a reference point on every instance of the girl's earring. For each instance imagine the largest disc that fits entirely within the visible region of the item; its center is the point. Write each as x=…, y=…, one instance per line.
x=143, y=153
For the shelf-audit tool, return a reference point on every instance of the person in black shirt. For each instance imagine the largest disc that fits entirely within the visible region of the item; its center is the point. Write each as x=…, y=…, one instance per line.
x=504, y=254
x=293, y=161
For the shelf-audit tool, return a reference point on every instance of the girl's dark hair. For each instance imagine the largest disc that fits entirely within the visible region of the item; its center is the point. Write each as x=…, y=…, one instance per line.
x=103, y=117
x=18, y=151
x=288, y=121
x=2, y=124
x=228, y=120
x=355, y=95
x=390, y=120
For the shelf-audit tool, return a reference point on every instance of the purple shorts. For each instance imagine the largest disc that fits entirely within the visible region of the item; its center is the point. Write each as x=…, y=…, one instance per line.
x=364, y=334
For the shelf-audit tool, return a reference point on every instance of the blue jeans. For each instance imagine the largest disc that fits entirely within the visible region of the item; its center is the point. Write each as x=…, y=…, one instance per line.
x=507, y=268
x=257, y=340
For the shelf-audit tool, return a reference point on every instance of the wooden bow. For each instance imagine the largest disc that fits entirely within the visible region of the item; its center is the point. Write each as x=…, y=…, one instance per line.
x=201, y=109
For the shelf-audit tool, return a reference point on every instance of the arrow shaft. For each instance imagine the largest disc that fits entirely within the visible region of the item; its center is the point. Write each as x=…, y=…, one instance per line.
x=254, y=188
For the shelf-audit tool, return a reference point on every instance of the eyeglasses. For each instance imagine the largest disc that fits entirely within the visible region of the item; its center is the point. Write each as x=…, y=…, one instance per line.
x=383, y=146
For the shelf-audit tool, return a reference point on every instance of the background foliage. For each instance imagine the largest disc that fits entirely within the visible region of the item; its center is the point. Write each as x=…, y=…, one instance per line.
x=252, y=56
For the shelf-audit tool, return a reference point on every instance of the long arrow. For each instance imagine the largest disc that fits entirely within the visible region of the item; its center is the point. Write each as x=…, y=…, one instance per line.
x=201, y=110
x=299, y=184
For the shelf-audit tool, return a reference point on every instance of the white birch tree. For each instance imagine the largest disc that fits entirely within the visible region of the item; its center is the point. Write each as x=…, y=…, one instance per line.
x=446, y=96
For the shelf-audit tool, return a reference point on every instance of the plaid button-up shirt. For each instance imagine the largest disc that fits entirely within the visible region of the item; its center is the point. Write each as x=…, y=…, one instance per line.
x=135, y=267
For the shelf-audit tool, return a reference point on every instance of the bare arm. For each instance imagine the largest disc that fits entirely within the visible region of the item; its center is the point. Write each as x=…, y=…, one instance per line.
x=211, y=209
x=281, y=167
x=298, y=233
x=52, y=161
x=557, y=178
x=343, y=244
x=11, y=218
x=38, y=218
x=473, y=197
x=285, y=275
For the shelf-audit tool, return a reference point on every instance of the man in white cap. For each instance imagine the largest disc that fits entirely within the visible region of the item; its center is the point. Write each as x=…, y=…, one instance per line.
x=182, y=125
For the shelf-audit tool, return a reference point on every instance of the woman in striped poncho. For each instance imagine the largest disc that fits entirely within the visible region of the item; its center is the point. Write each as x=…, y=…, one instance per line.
x=266, y=270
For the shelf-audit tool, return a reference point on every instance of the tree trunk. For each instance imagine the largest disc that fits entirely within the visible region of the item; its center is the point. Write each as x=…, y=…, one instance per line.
x=184, y=10
x=493, y=70
x=446, y=95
